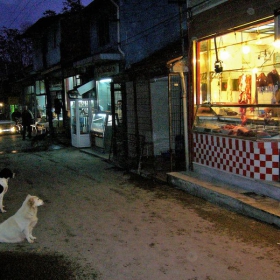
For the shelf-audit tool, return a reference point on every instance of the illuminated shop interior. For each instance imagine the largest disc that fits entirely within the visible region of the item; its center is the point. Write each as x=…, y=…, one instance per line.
x=237, y=82
x=247, y=58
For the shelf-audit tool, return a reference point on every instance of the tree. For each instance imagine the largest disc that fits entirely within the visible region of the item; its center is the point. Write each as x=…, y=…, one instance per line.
x=15, y=51
x=70, y=6
x=49, y=13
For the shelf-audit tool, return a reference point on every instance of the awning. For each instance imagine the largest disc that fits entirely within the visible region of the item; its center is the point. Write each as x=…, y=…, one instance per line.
x=86, y=87
x=97, y=58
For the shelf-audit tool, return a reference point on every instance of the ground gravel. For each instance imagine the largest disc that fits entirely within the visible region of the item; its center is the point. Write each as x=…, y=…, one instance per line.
x=99, y=222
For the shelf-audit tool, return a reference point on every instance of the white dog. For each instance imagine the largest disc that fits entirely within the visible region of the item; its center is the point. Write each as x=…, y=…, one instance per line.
x=20, y=225
x=5, y=175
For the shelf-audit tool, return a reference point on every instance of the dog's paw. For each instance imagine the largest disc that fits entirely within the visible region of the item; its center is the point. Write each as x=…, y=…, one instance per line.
x=3, y=211
x=30, y=240
x=32, y=237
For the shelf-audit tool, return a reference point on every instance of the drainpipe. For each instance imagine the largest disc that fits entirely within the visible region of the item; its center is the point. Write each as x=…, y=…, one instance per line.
x=184, y=88
x=180, y=66
x=118, y=28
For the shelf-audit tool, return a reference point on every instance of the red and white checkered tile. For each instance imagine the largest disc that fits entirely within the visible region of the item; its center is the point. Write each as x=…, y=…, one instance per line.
x=257, y=160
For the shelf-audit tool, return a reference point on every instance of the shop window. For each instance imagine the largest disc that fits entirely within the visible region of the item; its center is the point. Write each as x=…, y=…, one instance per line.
x=104, y=94
x=240, y=67
x=78, y=80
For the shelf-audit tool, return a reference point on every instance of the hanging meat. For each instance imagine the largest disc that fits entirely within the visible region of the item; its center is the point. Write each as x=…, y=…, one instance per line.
x=261, y=80
x=273, y=78
x=244, y=89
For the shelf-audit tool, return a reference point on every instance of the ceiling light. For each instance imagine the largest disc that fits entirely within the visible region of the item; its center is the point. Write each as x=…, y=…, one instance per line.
x=276, y=44
x=224, y=54
x=246, y=49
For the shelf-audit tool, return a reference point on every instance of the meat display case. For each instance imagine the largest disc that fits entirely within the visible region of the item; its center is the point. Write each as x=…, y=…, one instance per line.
x=239, y=139
x=254, y=122
x=101, y=130
x=81, y=116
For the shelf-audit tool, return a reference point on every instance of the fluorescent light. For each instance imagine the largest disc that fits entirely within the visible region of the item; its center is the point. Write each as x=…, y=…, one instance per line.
x=105, y=80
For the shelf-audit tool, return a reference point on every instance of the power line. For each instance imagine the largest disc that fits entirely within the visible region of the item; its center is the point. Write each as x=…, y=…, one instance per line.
x=19, y=13
x=150, y=29
x=24, y=12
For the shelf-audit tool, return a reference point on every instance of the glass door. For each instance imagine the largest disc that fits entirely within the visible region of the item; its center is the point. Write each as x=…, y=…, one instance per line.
x=73, y=117
x=84, y=116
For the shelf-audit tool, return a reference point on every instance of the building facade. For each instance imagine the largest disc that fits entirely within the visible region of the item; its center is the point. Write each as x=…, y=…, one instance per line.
x=153, y=71
x=236, y=89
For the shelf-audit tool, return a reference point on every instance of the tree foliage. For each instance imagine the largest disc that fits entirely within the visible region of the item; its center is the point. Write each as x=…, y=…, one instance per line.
x=15, y=51
x=70, y=6
x=49, y=13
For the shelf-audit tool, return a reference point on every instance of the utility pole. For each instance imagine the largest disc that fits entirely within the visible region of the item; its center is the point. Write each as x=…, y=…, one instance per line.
x=183, y=69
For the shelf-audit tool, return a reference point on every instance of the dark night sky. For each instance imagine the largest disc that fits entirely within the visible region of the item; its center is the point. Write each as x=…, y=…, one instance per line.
x=18, y=13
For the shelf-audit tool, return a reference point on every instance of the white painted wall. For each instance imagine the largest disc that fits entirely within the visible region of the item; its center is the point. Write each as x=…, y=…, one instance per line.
x=160, y=115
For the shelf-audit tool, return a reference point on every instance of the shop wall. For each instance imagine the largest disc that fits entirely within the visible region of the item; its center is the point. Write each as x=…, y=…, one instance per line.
x=147, y=26
x=160, y=115
x=252, y=159
x=37, y=56
x=230, y=14
x=144, y=109
x=75, y=37
x=130, y=107
x=53, y=47
x=103, y=23
x=139, y=117
x=46, y=47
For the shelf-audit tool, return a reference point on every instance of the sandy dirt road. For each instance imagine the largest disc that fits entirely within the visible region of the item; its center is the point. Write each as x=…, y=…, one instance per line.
x=118, y=226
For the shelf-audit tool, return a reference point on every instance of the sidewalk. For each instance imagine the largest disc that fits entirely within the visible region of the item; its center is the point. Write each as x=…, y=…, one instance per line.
x=256, y=199
x=252, y=198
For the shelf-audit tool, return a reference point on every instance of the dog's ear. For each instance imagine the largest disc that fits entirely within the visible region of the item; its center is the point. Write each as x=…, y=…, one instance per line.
x=31, y=201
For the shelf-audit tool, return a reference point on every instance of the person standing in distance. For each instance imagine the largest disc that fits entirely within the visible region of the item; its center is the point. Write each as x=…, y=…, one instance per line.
x=27, y=119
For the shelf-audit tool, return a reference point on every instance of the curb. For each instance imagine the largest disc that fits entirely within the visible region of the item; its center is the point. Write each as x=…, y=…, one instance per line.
x=228, y=199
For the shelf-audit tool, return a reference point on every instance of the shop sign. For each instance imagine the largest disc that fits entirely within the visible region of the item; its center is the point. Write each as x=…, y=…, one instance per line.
x=55, y=84
x=106, y=70
x=55, y=87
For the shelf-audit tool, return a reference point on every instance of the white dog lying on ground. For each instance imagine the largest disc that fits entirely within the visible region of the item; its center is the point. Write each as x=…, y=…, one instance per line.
x=20, y=225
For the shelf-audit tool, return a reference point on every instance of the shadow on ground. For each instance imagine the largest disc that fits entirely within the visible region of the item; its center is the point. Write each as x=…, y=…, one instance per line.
x=19, y=266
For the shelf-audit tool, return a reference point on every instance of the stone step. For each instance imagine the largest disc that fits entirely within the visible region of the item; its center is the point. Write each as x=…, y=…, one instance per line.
x=232, y=197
